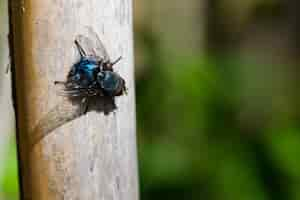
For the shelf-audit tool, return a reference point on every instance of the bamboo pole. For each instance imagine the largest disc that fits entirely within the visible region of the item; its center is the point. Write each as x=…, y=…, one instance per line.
x=92, y=156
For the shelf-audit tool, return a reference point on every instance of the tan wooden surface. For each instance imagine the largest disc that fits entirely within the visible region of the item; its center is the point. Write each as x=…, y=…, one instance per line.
x=92, y=156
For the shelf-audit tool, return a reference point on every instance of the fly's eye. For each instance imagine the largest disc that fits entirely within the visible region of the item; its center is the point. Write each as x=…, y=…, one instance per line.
x=100, y=76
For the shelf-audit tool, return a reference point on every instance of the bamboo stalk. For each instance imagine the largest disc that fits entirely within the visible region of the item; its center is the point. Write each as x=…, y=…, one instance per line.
x=92, y=156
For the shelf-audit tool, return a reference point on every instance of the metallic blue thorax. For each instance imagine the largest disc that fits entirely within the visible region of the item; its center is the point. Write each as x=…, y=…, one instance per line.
x=85, y=71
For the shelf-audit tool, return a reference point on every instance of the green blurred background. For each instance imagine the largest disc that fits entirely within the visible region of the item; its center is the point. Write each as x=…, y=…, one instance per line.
x=217, y=100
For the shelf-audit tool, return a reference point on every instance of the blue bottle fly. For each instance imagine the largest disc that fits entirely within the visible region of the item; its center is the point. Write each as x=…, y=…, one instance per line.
x=93, y=74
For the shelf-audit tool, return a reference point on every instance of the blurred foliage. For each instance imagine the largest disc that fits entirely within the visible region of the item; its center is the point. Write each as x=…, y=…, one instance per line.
x=224, y=125
x=9, y=184
x=196, y=143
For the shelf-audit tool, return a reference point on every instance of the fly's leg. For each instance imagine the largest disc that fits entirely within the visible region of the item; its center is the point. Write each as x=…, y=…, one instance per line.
x=84, y=104
x=80, y=49
x=59, y=82
x=116, y=61
x=107, y=65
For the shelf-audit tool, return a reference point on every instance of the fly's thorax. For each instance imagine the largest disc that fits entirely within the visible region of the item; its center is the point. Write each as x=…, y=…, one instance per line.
x=84, y=72
x=88, y=64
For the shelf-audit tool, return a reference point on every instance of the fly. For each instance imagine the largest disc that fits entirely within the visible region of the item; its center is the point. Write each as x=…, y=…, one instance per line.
x=91, y=78
x=93, y=74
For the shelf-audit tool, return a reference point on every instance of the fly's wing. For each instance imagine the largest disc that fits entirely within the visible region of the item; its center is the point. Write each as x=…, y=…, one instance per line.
x=73, y=90
x=92, y=45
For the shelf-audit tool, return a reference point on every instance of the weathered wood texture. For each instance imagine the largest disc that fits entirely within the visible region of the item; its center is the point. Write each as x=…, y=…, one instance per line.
x=93, y=156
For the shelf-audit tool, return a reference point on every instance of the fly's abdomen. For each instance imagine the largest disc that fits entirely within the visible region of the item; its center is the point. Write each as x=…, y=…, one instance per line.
x=111, y=83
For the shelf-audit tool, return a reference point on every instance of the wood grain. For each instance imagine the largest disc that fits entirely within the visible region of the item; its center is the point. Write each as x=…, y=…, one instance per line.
x=94, y=155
